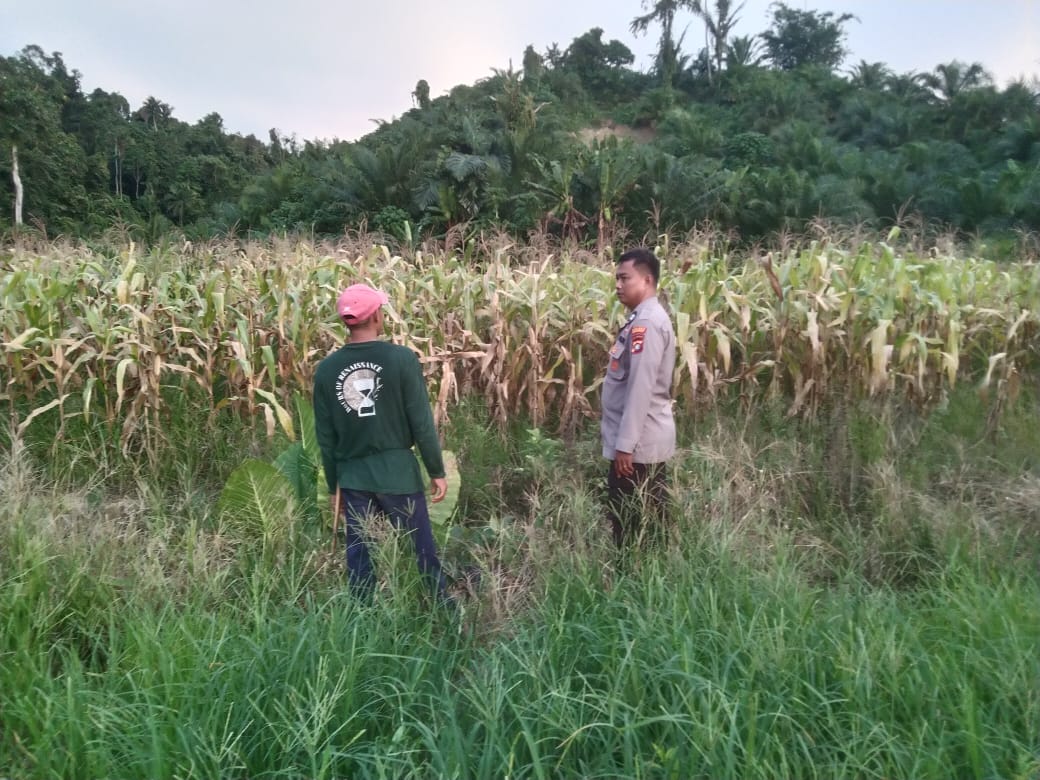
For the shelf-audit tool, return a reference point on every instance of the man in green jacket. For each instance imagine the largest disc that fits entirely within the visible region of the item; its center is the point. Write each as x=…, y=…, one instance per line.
x=370, y=408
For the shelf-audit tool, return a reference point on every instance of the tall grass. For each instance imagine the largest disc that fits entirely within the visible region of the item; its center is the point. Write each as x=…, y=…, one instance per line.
x=792, y=626
x=848, y=586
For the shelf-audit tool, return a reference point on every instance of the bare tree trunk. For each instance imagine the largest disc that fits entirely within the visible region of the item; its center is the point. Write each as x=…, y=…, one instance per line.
x=17, y=185
x=119, y=172
x=599, y=234
x=707, y=53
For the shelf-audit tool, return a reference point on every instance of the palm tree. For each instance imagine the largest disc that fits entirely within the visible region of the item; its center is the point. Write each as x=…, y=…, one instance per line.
x=383, y=174
x=871, y=76
x=745, y=51
x=421, y=94
x=954, y=78
x=468, y=178
x=553, y=55
x=154, y=112
x=663, y=12
x=908, y=87
x=611, y=170
x=554, y=186
x=718, y=25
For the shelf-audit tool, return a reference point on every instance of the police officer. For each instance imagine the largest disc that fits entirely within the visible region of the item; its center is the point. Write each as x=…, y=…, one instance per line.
x=637, y=427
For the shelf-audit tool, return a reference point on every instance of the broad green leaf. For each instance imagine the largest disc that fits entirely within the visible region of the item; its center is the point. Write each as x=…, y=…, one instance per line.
x=257, y=500
x=442, y=512
x=305, y=414
x=269, y=362
x=295, y=463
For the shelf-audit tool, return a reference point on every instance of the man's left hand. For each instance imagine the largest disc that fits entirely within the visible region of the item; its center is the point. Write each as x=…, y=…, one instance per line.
x=623, y=464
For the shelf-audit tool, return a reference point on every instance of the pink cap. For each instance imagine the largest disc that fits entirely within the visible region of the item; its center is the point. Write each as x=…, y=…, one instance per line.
x=359, y=302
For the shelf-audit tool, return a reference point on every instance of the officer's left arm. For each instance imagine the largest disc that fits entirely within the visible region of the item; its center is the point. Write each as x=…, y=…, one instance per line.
x=646, y=350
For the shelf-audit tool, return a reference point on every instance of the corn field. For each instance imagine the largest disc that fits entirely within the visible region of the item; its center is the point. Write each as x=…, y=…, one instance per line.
x=110, y=336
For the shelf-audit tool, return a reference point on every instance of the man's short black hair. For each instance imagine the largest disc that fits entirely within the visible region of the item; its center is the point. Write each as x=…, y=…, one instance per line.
x=645, y=259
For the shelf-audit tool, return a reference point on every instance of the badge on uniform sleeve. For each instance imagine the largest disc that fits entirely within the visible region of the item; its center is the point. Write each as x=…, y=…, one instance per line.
x=638, y=335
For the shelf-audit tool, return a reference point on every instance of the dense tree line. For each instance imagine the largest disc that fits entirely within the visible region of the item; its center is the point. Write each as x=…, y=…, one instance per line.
x=754, y=134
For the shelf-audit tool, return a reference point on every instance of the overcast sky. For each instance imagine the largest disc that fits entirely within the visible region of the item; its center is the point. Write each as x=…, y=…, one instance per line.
x=327, y=68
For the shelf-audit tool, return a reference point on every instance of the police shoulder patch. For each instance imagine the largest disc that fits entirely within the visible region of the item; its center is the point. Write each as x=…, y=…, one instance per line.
x=638, y=336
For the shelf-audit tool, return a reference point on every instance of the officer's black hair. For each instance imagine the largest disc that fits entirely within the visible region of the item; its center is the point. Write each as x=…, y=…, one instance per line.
x=645, y=259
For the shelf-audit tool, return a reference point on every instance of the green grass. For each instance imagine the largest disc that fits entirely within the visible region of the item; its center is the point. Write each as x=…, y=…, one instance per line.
x=850, y=597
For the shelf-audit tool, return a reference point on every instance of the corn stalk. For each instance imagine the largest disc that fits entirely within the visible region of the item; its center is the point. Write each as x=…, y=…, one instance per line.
x=110, y=337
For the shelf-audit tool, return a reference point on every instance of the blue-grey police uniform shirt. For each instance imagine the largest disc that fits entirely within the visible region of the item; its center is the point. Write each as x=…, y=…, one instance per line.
x=636, y=396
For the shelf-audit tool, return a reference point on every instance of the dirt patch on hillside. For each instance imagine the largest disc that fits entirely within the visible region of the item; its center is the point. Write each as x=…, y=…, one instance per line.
x=639, y=135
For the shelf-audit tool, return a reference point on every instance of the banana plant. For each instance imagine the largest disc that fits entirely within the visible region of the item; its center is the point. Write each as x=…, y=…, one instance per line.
x=266, y=499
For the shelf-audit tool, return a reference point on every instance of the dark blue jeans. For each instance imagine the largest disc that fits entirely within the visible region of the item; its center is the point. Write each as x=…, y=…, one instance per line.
x=408, y=513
